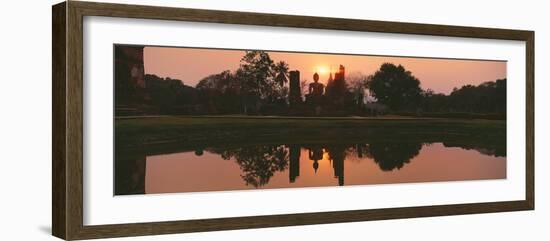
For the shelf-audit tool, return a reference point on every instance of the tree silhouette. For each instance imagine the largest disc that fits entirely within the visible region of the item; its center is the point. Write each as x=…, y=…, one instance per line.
x=303, y=87
x=258, y=163
x=264, y=82
x=257, y=68
x=488, y=97
x=168, y=95
x=281, y=70
x=394, y=86
x=220, y=93
x=258, y=87
x=434, y=102
x=393, y=155
x=357, y=85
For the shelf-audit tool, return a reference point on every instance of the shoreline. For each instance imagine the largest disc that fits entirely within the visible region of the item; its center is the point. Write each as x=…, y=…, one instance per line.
x=387, y=117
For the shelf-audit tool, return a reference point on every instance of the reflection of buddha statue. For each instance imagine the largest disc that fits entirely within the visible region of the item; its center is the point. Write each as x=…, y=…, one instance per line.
x=316, y=89
x=315, y=154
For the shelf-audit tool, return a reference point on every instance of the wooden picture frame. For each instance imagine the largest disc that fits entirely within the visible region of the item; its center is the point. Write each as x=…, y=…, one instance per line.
x=67, y=159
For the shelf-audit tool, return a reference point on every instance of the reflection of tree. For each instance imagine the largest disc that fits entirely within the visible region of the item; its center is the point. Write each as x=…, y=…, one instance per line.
x=393, y=155
x=259, y=163
x=361, y=150
x=489, y=149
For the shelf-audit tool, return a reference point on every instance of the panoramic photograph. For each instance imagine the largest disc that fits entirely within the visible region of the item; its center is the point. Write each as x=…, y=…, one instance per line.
x=202, y=119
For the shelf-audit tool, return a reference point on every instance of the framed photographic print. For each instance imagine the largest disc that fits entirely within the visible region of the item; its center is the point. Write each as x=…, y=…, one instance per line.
x=171, y=120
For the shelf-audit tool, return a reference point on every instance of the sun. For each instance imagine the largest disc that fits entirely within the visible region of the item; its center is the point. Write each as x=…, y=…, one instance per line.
x=322, y=69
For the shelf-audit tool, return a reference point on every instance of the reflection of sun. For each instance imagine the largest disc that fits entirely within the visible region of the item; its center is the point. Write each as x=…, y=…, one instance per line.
x=326, y=155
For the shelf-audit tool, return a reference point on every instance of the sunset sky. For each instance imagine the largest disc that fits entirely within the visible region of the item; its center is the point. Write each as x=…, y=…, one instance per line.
x=441, y=75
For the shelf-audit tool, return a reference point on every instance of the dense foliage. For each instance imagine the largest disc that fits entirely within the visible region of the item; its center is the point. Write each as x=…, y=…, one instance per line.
x=395, y=87
x=260, y=86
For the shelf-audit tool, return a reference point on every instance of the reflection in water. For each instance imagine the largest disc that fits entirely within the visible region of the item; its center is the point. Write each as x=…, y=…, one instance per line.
x=257, y=163
x=390, y=156
x=304, y=165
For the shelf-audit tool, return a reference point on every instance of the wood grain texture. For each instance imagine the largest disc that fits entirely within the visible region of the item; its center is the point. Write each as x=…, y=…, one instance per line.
x=58, y=121
x=74, y=130
x=530, y=120
x=279, y=20
x=122, y=230
x=67, y=196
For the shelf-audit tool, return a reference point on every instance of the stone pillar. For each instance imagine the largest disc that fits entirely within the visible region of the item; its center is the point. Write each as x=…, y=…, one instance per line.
x=130, y=58
x=129, y=76
x=295, y=94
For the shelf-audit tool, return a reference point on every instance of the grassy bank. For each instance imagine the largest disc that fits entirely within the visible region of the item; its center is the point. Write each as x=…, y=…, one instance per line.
x=205, y=131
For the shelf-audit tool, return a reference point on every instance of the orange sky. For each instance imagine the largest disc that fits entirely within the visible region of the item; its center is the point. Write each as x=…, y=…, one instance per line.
x=441, y=75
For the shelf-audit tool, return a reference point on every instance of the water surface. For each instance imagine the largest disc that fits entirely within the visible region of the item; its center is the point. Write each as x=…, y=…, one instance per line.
x=309, y=165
